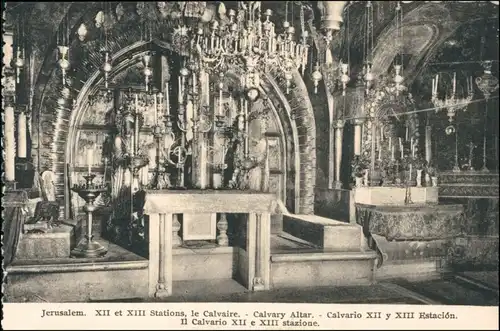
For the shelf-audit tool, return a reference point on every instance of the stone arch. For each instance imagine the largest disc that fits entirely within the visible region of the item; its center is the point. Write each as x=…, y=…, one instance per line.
x=429, y=25
x=56, y=116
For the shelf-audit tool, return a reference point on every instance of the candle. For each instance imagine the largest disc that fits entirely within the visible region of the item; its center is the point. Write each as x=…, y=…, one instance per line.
x=21, y=136
x=220, y=103
x=392, y=153
x=433, y=86
x=454, y=82
x=156, y=110
x=390, y=142
x=411, y=148
x=223, y=152
x=180, y=90
x=10, y=144
x=136, y=102
x=167, y=99
x=207, y=82
x=436, y=84
x=407, y=133
x=409, y=174
x=90, y=158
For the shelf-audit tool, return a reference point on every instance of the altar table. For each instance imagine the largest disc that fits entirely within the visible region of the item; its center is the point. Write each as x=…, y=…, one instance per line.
x=162, y=205
x=411, y=222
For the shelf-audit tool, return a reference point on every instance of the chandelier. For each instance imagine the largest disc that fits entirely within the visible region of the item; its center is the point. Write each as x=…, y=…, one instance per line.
x=451, y=102
x=247, y=36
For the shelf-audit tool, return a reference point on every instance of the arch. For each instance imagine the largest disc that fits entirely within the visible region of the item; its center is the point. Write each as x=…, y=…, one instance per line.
x=302, y=130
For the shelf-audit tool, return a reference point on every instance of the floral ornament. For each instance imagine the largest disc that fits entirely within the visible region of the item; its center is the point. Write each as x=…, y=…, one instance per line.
x=359, y=165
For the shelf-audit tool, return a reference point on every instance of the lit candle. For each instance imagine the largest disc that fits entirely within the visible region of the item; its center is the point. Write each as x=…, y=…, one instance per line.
x=21, y=136
x=10, y=144
x=167, y=99
x=90, y=158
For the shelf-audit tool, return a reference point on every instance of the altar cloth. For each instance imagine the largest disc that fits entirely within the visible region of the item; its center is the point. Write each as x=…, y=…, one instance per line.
x=411, y=222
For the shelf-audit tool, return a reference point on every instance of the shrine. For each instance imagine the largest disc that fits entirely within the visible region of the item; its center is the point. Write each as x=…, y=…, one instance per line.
x=154, y=146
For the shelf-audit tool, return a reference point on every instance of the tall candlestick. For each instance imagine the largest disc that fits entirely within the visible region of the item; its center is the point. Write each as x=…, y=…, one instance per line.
x=167, y=99
x=21, y=136
x=10, y=144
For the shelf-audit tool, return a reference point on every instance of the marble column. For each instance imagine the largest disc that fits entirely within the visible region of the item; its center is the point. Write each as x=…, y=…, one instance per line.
x=339, y=131
x=9, y=144
x=357, y=136
x=428, y=143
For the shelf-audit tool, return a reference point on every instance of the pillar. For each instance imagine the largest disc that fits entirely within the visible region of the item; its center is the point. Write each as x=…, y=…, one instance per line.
x=357, y=136
x=9, y=143
x=339, y=130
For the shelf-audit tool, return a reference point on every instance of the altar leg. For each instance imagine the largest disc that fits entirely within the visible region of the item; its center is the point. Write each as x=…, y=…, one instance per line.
x=263, y=256
x=160, y=255
x=251, y=248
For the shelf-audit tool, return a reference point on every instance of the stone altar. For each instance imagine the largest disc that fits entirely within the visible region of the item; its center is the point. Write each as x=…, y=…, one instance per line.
x=253, y=262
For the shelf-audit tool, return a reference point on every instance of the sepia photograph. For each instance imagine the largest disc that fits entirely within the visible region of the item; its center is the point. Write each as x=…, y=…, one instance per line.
x=255, y=165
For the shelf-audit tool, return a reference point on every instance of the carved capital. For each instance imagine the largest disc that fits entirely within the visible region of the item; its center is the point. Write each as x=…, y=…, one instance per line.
x=338, y=124
x=358, y=121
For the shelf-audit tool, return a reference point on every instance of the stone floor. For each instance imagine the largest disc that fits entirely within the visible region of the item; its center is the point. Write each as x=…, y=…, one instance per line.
x=449, y=291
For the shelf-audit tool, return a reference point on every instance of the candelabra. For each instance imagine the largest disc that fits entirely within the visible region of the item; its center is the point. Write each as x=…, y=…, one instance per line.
x=88, y=247
x=452, y=103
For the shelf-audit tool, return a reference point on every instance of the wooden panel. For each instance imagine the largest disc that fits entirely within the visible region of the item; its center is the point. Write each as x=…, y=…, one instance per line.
x=199, y=226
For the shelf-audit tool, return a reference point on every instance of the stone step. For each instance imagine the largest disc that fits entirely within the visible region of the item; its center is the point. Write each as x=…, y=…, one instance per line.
x=322, y=269
x=120, y=274
x=331, y=235
x=57, y=242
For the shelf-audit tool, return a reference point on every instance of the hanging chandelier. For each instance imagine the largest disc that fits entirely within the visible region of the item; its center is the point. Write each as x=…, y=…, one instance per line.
x=249, y=37
x=451, y=102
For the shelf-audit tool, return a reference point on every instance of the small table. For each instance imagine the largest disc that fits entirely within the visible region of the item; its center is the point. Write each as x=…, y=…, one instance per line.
x=161, y=205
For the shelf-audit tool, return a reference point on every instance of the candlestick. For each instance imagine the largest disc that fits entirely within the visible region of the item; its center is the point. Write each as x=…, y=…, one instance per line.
x=21, y=136
x=10, y=144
